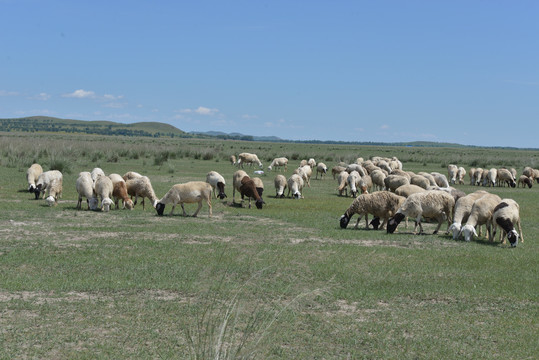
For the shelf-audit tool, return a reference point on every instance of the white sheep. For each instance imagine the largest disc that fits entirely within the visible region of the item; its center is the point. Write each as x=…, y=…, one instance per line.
x=378, y=178
x=357, y=167
x=505, y=177
x=187, y=193
x=96, y=172
x=32, y=174
x=336, y=170
x=420, y=181
x=232, y=159
x=392, y=182
x=507, y=215
x=365, y=184
x=248, y=158
x=54, y=191
x=463, y=207
x=103, y=189
x=452, y=171
x=85, y=188
x=305, y=172
x=484, y=177
x=119, y=191
x=279, y=163
x=280, y=185
x=353, y=182
x=428, y=176
x=343, y=182
x=130, y=175
x=409, y=189
x=472, y=176
x=321, y=169
x=381, y=204
x=217, y=181
x=45, y=180
x=295, y=186
x=406, y=174
x=461, y=172
x=481, y=214
x=491, y=177
x=429, y=204
x=477, y=176
x=141, y=187
x=440, y=179
x=312, y=163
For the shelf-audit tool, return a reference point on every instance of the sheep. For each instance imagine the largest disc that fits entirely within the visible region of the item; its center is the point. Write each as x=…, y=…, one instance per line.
x=409, y=189
x=428, y=176
x=365, y=183
x=478, y=174
x=280, y=185
x=85, y=187
x=103, y=189
x=356, y=167
x=259, y=185
x=115, y=178
x=321, y=169
x=232, y=159
x=381, y=204
x=529, y=172
x=187, y=193
x=305, y=172
x=382, y=164
x=130, y=175
x=141, y=187
x=32, y=174
x=45, y=180
x=392, y=182
x=457, y=194
x=312, y=163
x=343, y=182
x=248, y=158
x=525, y=180
x=279, y=162
x=420, y=181
x=378, y=178
x=95, y=172
x=302, y=163
x=452, y=171
x=481, y=214
x=295, y=186
x=484, y=177
x=463, y=207
x=507, y=215
x=54, y=191
x=246, y=187
x=461, y=172
x=400, y=172
x=430, y=204
x=505, y=177
x=217, y=181
x=491, y=177
x=119, y=191
x=472, y=176
x=440, y=179
x=353, y=182
x=536, y=175
x=336, y=170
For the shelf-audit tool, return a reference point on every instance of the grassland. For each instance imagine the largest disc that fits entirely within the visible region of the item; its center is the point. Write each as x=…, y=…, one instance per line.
x=278, y=283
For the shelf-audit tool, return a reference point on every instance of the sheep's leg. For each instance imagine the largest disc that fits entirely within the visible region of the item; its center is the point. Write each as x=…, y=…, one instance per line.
x=383, y=223
x=209, y=206
x=172, y=210
x=357, y=222
x=79, y=203
x=198, y=209
x=520, y=231
x=367, y=221
x=184, y=213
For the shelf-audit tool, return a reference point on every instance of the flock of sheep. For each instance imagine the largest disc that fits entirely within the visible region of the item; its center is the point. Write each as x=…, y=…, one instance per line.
x=379, y=185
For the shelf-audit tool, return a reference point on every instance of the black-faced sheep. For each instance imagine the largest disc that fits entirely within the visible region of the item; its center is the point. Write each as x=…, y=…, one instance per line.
x=525, y=180
x=45, y=180
x=381, y=204
x=32, y=174
x=481, y=214
x=187, y=193
x=321, y=169
x=505, y=177
x=217, y=181
x=506, y=215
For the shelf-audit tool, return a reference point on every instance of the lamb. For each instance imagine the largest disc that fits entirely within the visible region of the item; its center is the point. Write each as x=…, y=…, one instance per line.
x=343, y=182
x=246, y=187
x=392, y=182
x=440, y=179
x=248, y=158
x=321, y=169
x=430, y=204
x=381, y=204
x=54, y=191
x=353, y=182
x=119, y=191
x=95, y=172
x=279, y=162
x=505, y=176
x=336, y=170
x=452, y=171
x=463, y=207
x=103, y=189
x=420, y=181
x=217, y=181
x=32, y=174
x=85, y=187
x=409, y=189
x=45, y=180
x=187, y=193
x=481, y=214
x=280, y=185
x=141, y=187
x=507, y=215
x=461, y=172
x=525, y=180
x=295, y=186
x=378, y=178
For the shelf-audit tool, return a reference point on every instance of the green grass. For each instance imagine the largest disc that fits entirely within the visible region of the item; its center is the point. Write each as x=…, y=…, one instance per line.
x=278, y=283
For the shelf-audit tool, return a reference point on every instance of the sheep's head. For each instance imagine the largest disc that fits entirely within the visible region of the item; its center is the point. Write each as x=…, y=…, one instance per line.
x=106, y=203
x=31, y=188
x=128, y=204
x=393, y=222
x=259, y=203
x=375, y=223
x=345, y=219
x=160, y=207
x=297, y=195
x=513, y=184
x=92, y=203
x=455, y=229
x=468, y=231
x=222, y=195
x=513, y=237
x=37, y=191
x=50, y=200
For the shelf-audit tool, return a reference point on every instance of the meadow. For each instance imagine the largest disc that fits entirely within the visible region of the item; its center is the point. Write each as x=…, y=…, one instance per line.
x=278, y=283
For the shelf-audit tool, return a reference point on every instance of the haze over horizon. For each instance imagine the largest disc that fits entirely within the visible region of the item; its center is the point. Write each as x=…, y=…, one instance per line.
x=459, y=72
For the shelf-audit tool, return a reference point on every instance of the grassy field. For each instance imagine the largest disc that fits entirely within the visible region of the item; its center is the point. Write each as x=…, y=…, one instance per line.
x=278, y=283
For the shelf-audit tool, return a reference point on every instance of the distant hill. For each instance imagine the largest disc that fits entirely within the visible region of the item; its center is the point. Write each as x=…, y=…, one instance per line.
x=239, y=136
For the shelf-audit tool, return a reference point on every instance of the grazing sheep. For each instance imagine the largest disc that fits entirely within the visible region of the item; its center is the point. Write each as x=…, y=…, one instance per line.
x=141, y=187
x=280, y=185
x=452, y=171
x=365, y=184
x=280, y=163
x=312, y=163
x=246, y=187
x=381, y=204
x=382, y=164
x=536, y=175
x=429, y=204
x=484, y=177
x=428, y=176
x=529, y=172
x=336, y=170
x=305, y=172
x=321, y=169
x=187, y=193
x=248, y=158
x=392, y=182
x=119, y=191
x=409, y=189
x=85, y=187
x=103, y=189
x=472, y=176
x=400, y=172
x=54, y=191
x=507, y=215
x=217, y=181
x=505, y=177
x=45, y=180
x=130, y=175
x=353, y=182
x=463, y=207
x=343, y=182
x=302, y=163
x=440, y=179
x=420, y=181
x=232, y=159
x=32, y=174
x=491, y=177
x=356, y=167
x=461, y=172
x=378, y=178
x=481, y=214
x=95, y=172
x=525, y=180
x=115, y=178
x=477, y=176
x=295, y=186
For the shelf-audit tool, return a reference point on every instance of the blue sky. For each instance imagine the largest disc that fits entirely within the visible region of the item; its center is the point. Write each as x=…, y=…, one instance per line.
x=448, y=71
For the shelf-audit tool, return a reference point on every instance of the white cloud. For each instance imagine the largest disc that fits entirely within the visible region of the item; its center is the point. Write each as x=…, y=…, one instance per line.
x=8, y=93
x=112, y=97
x=274, y=124
x=201, y=110
x=81, y=94
x=249, y=117
x=114, y=105
x=42, y=96
x=384, y=127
